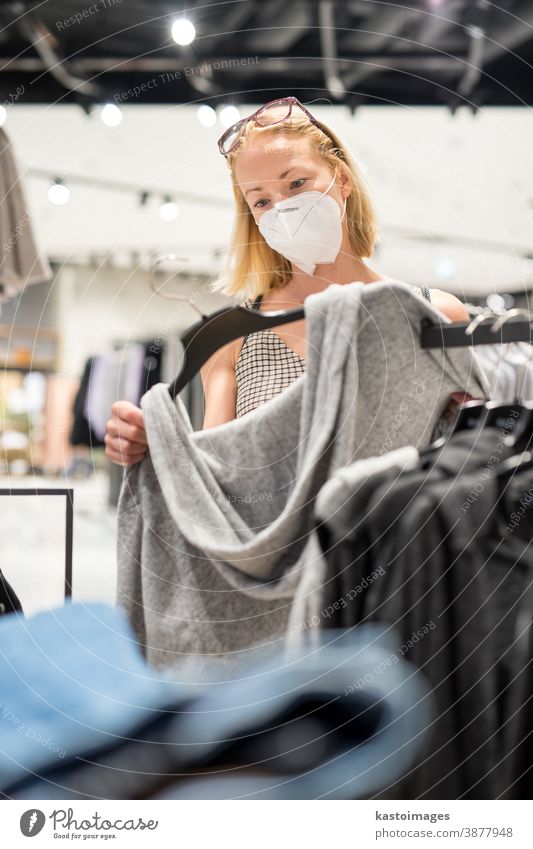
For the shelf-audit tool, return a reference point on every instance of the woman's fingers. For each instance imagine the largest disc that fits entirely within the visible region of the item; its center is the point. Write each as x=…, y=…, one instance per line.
x=125, y=440
x=124, y=446
x=129, y=413
x=121, y=451
x=127, y=421
x=122, y=460
x=120, y=428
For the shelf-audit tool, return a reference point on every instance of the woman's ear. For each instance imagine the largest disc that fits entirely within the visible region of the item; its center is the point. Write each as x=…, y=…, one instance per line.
x=345, y=181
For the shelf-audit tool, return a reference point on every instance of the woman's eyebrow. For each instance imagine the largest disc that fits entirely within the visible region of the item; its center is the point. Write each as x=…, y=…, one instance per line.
x=281, y=176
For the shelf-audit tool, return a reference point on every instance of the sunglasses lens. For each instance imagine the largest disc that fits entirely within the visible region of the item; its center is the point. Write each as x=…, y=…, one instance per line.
x=273, y=113
x=229, y=137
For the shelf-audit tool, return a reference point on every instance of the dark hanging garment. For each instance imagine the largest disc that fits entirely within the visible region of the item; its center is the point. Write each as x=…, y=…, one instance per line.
x=451, y=573
x=81, y=432
x=9, y=600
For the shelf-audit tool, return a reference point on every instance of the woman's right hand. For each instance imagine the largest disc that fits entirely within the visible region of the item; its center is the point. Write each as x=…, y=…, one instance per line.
x=125, y=439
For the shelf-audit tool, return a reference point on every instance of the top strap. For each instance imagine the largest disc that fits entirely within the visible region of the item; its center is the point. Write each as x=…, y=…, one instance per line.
x=253, y=306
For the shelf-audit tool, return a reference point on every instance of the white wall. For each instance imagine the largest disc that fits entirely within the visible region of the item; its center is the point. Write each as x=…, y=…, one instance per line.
x=433, y=175
x=96, y=306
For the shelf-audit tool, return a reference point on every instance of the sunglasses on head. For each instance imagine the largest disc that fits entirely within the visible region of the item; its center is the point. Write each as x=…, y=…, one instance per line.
x=272, y=113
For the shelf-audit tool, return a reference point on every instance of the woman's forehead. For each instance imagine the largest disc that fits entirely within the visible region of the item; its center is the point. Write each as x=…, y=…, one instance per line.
x=270, y=157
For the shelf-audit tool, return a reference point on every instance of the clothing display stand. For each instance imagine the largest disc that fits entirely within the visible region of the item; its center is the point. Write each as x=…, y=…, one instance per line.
x=69, y=523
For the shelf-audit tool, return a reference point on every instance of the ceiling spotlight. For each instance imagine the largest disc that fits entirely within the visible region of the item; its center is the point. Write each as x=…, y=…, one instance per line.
x=183, y=31
x=3, y=115
x=229, y=115
x=206, y=115
x=111, y=115
x=168, y=210
x=58, y=193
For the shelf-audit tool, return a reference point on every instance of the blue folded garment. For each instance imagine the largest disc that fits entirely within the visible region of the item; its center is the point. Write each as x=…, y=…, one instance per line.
x=343, y=717
x=72, y=681
x=82, y=715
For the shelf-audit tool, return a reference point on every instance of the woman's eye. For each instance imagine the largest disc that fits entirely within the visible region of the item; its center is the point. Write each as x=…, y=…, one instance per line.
x=295, y=184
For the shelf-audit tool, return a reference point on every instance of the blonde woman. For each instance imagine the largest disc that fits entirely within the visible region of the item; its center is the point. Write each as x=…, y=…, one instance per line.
x=304, y=220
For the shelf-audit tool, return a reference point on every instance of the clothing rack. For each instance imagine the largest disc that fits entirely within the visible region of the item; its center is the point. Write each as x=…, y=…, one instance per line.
x=69, y=523
x=513, y=325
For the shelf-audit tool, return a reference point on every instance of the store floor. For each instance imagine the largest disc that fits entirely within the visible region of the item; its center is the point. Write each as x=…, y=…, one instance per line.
x=32, y=531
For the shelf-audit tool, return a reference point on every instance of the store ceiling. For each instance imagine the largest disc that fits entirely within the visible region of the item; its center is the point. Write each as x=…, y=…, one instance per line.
x=430, y=52
x=453, y=187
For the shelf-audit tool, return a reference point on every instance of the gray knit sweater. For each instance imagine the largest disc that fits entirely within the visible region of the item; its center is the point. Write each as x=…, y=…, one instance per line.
x=215, y=526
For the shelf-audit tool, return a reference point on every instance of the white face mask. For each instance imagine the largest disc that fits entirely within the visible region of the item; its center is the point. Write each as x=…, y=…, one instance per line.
x=306, y=229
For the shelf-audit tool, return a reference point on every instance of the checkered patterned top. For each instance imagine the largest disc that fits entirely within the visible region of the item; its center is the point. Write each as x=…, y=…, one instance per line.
x=266, y=365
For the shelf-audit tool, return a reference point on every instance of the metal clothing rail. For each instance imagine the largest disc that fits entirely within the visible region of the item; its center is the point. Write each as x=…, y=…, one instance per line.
x=69, y=523
x=515, y=325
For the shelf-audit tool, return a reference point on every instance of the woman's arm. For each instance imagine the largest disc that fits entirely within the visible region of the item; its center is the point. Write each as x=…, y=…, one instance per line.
x=451, y=306
x=220, y=386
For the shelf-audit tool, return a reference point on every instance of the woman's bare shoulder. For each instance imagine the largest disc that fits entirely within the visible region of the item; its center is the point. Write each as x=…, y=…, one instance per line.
x=227, y=355
x=449, y=304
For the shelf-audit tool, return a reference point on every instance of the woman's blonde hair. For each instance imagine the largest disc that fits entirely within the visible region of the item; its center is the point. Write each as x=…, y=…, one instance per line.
x=252, y=267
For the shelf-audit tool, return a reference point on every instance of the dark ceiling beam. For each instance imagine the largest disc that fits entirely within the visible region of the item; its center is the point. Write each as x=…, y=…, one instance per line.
x=44, y=44
x=234, y=18
x=506, y=37
x=474, y=63
x=385, y=24
x=328, y=47
x=278, y=26
x=487, y=43
x=414, y=63
x=118, y=65
x=437, y=24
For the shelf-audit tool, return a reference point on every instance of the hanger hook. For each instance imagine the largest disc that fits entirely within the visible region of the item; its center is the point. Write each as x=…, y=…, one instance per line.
x=154, y=264
x=502, y=319
x=479, y=319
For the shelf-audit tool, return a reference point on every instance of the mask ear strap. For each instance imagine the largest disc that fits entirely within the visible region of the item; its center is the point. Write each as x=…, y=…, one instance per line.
x=329, y=187
x=344, y=210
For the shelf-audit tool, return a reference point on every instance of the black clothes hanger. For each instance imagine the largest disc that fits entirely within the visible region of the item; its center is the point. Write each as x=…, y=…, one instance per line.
x=505, y=505
x=201, y=340
x=206, y=336
x=512, y=466
x=213, y=331
x=468, y=415
x=522, y=435
x=511, y=326
x=516, y=420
